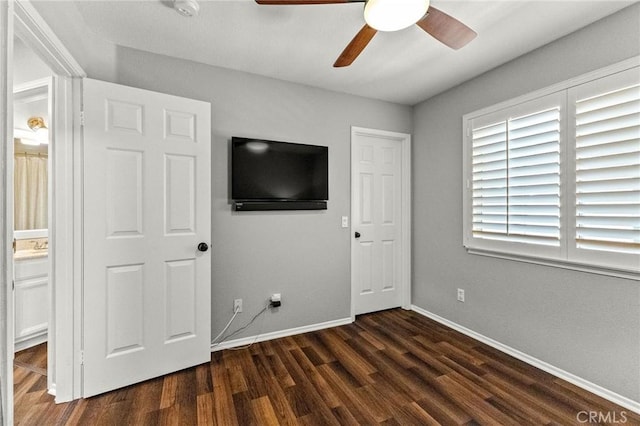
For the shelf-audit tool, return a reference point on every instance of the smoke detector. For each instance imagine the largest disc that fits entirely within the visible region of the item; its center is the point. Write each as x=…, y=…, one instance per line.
x=186, y=8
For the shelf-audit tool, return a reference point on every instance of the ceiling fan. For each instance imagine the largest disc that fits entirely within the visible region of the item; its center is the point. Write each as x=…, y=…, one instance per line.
x=393, y=15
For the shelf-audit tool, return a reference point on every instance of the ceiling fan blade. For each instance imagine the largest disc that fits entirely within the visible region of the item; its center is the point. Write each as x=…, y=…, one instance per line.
x=446, y=29
x=297, y=2
x=355, y=47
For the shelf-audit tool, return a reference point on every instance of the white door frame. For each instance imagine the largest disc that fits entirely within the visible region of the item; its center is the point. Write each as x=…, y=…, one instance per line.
x=405, y=266
x=65, y=209
x=6, y=212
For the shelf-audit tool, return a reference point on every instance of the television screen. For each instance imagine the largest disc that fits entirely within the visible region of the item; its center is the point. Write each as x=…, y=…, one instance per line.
x=265, y=170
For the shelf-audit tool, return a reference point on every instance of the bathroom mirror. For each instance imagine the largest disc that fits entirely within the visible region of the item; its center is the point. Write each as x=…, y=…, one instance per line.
x=31, y=122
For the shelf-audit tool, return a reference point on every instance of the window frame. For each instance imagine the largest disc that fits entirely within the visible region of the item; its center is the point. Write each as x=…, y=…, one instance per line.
x=566, y=255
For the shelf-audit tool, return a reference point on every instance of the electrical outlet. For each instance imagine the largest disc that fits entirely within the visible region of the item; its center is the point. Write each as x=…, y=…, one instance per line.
x=237, y=305
x=345, y=221
x=275, y=300
x=460, y=295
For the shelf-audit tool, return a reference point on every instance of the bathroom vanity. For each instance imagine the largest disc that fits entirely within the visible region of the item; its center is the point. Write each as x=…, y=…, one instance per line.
x=31, y=276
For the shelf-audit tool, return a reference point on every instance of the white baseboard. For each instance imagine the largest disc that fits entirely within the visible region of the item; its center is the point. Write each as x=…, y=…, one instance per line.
x=281, y=333
x=52, y=390
x=558, y=372
x=31, y=341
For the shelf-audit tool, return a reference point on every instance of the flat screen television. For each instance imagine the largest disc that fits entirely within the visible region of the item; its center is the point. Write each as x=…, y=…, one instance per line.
x=271, y=175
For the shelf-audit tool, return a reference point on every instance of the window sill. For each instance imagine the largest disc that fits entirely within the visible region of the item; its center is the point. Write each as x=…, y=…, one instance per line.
x=611, y=272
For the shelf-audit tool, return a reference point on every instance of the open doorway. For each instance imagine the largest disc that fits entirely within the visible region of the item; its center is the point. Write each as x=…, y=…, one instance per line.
x=32, y=128
x=64, y=222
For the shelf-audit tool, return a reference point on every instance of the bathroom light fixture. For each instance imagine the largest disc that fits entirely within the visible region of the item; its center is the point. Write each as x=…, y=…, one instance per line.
x=39, y=133
x=187, y=8
x=394, y=15
x=36, y=123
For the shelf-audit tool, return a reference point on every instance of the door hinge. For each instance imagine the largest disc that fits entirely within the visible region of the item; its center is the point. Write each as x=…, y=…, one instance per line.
x=14, y=245
x=13, y=285
x=81, y=357
x=82, y=118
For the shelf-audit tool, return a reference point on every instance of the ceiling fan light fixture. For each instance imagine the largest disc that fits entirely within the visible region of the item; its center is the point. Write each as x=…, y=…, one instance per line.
x=186, y=8
x=394, y=15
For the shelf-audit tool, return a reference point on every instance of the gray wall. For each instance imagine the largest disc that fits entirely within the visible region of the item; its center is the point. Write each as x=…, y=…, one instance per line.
x=303, y=255
x=583, y=323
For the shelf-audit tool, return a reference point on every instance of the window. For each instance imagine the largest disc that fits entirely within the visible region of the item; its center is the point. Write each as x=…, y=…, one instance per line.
x=605, y=124
x=556, y=175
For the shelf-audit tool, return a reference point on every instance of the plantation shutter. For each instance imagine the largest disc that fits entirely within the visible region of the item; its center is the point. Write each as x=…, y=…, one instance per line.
x=607, y=160
x=557, y=177
x=490, y=181
x=534, y=177
x=516, y=176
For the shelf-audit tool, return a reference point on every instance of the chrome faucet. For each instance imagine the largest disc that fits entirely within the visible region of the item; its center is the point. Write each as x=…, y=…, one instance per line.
x=42, y=245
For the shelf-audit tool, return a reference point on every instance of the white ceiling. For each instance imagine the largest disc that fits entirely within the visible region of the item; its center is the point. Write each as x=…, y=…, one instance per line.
x=301, y=43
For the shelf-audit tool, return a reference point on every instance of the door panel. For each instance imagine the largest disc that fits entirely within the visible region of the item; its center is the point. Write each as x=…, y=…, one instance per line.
x=147, y=198
x=124, y=309
x=124, y=190
x=377, y=169
x=180, y=208
x=180, y=293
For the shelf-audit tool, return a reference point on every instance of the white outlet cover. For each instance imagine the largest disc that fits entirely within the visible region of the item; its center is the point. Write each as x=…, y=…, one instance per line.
x=345, y=221
x=461, y=295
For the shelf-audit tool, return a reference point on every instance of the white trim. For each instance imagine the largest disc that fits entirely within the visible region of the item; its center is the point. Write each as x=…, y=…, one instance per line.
x=6, y=212
x=61, y=239
x=31, y=85
x=405, y=264
x=281, y=333
x=75, y=222
x=542, y=365
x=26, y=234
x=407, y=233
x=556, y=263
x=30, y=342
x=31, y=26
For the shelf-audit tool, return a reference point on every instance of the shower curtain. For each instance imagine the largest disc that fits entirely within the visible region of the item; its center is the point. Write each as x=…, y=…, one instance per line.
x=31, y=192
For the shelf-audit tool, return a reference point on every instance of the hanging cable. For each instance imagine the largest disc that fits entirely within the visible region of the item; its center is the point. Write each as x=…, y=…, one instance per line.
x=226, y=327
x=214, y=343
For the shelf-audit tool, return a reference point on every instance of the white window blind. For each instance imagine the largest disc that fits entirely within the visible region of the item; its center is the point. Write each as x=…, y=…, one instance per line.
x=516, y=179
x=490, y=181
x=554, y=177
x=608, y=171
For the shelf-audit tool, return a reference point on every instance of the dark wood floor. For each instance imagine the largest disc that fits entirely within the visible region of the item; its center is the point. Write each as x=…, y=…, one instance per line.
x=392, y=368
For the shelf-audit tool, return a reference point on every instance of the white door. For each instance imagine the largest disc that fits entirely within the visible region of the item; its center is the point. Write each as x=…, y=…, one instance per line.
x=147, y=206
x=378, y=259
